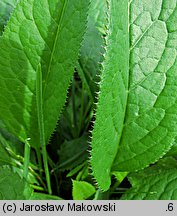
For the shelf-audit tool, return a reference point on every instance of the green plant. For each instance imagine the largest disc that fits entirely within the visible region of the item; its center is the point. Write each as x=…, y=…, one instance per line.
x=99, y=72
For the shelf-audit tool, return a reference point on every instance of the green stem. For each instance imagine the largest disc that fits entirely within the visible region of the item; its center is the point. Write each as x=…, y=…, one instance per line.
x=41, y=125
x=52, y=164
x=38, y=153
x=26, y=158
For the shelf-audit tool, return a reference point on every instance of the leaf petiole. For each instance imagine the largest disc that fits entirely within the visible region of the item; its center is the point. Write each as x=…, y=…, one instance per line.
x=41, y=125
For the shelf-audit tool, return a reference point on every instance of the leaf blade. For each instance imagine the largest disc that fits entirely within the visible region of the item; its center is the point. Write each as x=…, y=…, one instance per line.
x=147, y=128
x=104, y=117
x=29, y=39
x=154, y=183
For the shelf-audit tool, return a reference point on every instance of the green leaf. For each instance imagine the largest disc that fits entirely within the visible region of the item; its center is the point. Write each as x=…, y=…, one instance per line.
x=82, y=190
x=92, y=48
x=30, y=39
x=6, y=7
x=12, y=186
x=154, y=183
x=83, y=173
x=41, y=196
x=112, y=99
x=137, y=110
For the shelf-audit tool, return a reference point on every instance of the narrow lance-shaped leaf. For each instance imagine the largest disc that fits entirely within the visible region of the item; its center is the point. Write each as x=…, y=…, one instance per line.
x=48, y=32
x=91, y=54
x=137, y=110
x=113, y=96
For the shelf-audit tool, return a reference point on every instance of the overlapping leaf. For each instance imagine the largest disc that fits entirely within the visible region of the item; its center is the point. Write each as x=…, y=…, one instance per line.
x=91, y=54
x=137, y=110
x=48, y=32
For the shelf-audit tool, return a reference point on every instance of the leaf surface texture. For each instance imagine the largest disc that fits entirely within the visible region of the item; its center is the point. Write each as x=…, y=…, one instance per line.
x=137, y=110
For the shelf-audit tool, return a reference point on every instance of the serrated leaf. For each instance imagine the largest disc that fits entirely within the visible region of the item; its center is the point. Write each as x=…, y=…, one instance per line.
x=137, y=110
x=91, y=54
x=30, y=39
x=6, y=7
x=12, y=186
x=82, y=190
x=154, y=183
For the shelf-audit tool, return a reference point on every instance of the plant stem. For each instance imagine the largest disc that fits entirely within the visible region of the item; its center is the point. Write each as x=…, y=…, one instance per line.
x=41, y=125
x=52, y=164
x=26, y=158
x=39, y=160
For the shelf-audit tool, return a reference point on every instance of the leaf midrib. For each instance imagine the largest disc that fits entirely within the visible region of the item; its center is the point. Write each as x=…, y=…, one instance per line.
x=54, y=45
x=128, y=86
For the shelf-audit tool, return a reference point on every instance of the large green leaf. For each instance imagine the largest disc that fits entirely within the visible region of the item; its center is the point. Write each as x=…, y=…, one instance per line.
x=113, y=97
x=155, y=183
x=39, y=31
x=12, y=186
x=6, y=7
x=137, y=110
